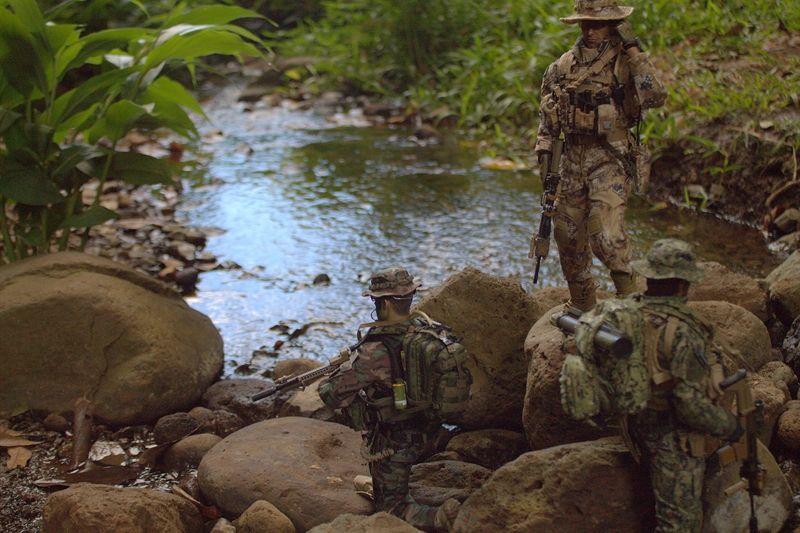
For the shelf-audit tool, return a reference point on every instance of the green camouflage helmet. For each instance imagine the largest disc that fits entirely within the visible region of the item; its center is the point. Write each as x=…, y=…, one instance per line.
x=394, y=281
x=670, y=258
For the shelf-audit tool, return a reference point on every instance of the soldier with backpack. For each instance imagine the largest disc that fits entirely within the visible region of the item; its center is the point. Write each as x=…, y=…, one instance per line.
x=664, y=392
x=405, y=377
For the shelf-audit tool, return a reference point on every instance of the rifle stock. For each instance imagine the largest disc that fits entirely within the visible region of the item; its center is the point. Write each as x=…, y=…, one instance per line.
x=305, y=379
x=540, y=241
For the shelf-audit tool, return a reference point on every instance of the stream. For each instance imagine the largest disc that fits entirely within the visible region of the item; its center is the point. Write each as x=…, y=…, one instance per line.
x=290, y=194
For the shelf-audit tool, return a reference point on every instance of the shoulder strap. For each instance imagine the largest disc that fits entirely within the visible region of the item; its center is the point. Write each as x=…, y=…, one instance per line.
x=597, y=66
x=655, y=324
x=564, y=63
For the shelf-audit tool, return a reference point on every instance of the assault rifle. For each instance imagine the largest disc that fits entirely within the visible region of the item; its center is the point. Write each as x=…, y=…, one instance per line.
x=305, y=379
x=607, y=337
x=540, y=241
x=751, y=417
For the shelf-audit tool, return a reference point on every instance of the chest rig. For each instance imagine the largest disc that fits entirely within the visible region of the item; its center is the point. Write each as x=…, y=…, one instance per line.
x=590, y=99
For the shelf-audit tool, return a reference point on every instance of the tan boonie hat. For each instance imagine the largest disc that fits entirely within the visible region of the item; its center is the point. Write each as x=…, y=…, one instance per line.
x=394, y=281
x=597, y=10
x=670, y=258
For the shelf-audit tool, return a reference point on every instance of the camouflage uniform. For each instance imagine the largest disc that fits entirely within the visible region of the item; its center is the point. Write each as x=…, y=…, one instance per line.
x=594, y=185
x=394, y=444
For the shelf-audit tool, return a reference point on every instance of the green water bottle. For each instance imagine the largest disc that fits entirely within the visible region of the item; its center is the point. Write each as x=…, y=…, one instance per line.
x=399, y=393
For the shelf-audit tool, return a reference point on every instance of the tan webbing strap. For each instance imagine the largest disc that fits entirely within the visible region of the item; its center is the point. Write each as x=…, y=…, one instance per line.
x=596, y=67
x=652, y=336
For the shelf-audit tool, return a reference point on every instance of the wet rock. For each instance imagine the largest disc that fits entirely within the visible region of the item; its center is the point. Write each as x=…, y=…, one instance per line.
x=742, y=330
x=786, y=244
x=791, y=346
x=186, y=279
x=263, y=516
x=788, y=221
x=105, y=509
x=377, y=109
x=304, y=467
x=127, y=337
x=434, y=482
x=55, y=422
x=223, y=526
x=322, y=279
x=544, y=420
x=219, y=422
x=537, y=492
x=490, y=448
x=183, y=251
x=294, y=367
x=379, y=522
x=721, y=284
x=187, y=453
x=788, y=427
x=447, y=455
x=774, y=398
x=784, y=289
x=493, y=315
x=174, y=427
x=425, y=132
x=781, y=375
x=308, y=404
x=233, y=395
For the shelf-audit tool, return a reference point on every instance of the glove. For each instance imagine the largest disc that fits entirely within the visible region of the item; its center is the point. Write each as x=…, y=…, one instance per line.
x=625, y=32
x=737, y=433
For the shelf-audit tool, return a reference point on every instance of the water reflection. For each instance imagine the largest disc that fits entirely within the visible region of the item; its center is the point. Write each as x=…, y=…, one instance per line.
x=312, y=198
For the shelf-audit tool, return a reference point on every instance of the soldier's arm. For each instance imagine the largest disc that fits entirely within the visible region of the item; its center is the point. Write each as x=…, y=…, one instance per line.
x=647, y=86
x=692, y=405
x=546, y=133
x=369, y=364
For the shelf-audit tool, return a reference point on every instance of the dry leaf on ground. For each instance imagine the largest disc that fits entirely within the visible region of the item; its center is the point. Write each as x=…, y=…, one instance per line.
x=19, y=457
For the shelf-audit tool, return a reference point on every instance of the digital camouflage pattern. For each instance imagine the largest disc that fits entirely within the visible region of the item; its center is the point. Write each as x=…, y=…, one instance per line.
x=369, y=369
x=670, y=258
x=674, y=410
x=594, y=183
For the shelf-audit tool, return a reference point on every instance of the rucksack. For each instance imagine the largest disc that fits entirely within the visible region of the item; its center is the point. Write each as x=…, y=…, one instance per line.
x=594, y=382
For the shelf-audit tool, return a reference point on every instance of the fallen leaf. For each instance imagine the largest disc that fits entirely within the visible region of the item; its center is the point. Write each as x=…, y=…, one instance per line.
x=8, y=441
x=19, y=457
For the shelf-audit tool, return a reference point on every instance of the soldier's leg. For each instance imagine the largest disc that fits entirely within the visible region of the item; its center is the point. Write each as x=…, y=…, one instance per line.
x=390, y=478
x=677, y=480
x=569, y=232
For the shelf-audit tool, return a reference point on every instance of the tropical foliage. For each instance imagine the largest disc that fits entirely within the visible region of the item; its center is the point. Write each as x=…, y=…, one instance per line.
x=57, y=134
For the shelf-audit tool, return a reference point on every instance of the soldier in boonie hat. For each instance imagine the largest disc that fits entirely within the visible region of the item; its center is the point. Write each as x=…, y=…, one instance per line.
x=597, y=10
x=670, y=258
x=393, y=281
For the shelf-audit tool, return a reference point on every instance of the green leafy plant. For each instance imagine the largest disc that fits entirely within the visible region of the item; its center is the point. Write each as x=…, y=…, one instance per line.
x=56, y=138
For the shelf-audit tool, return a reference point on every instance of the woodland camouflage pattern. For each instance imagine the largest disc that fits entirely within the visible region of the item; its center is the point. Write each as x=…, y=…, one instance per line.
x=594, y=184
x=677, y=409
x=370, y=369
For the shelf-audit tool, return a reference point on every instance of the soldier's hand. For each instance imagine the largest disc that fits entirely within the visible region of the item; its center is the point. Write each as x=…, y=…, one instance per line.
x=625, y=32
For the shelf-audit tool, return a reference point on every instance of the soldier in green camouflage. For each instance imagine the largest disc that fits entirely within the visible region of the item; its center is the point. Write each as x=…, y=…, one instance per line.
x=363, y=388
x=685, y=374
x=594, y=94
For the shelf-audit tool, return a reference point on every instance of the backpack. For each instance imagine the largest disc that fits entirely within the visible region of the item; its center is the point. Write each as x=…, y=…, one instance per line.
x=594, y=382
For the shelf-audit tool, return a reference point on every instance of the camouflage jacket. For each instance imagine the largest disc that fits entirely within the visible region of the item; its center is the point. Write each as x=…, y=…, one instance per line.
x=643, y=90
x=686, y=359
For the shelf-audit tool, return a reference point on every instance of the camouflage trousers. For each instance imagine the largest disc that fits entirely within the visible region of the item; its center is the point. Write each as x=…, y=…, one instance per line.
x=390, y=479
x=677, y=480
x=590, y=210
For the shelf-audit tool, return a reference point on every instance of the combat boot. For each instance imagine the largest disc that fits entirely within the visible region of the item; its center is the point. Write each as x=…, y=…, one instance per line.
x=582, y=295
x=363, y=486
x=625, y=283
x=446, y=515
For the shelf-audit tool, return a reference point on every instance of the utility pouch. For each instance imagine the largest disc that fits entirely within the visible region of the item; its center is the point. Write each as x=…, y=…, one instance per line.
x=584, y=122
x=606, y=117
x=640, y=158
x=549, y=109
x=697, y=444
x=356, y=416
x=564, y=109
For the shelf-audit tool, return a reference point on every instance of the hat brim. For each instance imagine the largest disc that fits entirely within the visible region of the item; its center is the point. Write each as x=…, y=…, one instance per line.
x=397, y=291
x=646, y=269
x=608, y=13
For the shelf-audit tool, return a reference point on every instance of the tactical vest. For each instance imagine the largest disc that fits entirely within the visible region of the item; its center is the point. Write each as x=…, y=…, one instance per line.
x=591, y=100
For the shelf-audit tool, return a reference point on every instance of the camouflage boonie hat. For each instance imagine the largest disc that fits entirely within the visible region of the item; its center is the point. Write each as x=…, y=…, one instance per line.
x=670, y=258
x=597, y=10
x=394, y=281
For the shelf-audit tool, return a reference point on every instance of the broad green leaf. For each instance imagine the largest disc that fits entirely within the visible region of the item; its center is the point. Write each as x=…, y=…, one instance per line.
x=71, y=157
x=90, y=92
x=139, y=169
x=80, y=121
x=28, y=12
x=26, y=185
x=213, y=15
x=117, y=122
x=165, y=90
x=19, y=61
x=10, y=97
x=7, y=119
x=93, y=216
x=60, y=34
x=202, y=43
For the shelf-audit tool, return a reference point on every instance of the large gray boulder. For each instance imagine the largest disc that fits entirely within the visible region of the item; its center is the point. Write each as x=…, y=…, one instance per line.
x=493, y=315
x=75, y=325
x=304, y=467
x=87, y=508
x=784, y=289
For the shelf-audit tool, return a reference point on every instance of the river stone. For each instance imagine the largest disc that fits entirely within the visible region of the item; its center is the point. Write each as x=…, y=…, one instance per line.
x=490, y=448
x=263, y=516
x=377, y=523
x=544, y=419
x=223, y=525
x=187, y=453
x=784, y=289
x=433, y=482
x=102, y=330
x=88, y=508
x=774, y=398
x=219, y=422
x=308, y=404
x=493, y=314
x=234, y=395
x=781, y=375
x=788, y=427
x=742, y=330
x=174, y=427
x=294, y=367
x=790, y=348
x=304, y=467
x=590, y=487
x=724, y=513
x=721, y=284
